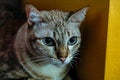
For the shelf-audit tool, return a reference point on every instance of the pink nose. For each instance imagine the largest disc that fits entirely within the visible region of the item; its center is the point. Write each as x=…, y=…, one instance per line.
x=62, y=59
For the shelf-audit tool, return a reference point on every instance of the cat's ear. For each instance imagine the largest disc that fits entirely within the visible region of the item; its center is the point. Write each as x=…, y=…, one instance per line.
x=78, y=16
x=33, y=15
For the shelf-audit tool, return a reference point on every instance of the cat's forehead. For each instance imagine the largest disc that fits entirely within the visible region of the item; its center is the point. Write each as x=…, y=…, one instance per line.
x=54, y=15
x=49, y=29
x=56, y=22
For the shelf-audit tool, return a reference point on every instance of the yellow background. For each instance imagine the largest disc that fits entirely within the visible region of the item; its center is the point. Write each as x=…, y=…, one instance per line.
x=94, y=33
x=112, y=70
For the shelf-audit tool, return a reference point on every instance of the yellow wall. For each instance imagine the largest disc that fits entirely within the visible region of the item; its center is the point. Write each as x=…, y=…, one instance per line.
x=112, y=71
x=94, y=31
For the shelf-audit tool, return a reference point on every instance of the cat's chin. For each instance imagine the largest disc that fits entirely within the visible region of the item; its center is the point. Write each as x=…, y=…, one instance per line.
x=58, y=63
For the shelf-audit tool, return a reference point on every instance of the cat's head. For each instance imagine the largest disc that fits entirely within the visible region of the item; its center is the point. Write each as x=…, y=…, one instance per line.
x=54, y=34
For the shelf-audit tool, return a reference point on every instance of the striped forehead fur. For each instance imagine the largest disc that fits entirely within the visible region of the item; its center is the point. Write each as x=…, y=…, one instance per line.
x=54, y=16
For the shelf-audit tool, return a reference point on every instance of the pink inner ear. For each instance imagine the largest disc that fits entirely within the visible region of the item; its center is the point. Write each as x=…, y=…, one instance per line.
x=78, y=16
x=32, y=14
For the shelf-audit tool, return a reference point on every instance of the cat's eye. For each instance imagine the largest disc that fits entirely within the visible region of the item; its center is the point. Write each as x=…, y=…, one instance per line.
x=72, y=40
x=48, y=41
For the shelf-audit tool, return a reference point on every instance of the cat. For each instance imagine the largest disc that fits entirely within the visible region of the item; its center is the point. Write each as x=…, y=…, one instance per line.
x=45, y=46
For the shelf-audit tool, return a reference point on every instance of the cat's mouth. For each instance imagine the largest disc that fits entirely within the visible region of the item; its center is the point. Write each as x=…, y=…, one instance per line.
x=58, y=62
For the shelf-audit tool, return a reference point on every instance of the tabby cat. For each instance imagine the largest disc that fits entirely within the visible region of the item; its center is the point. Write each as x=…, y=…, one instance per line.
x=45, y=46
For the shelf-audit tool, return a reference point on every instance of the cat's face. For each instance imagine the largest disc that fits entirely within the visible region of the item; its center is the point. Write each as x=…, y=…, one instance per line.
x=55, y=34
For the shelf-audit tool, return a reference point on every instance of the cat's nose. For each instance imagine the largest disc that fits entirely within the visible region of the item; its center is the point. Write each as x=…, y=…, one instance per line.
x=62, y=59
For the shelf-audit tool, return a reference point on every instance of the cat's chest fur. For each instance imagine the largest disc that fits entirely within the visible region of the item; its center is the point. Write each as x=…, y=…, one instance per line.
x=56, y=73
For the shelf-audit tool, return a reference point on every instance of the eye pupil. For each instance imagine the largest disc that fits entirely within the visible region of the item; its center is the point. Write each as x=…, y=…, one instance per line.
x=48, y=41
x=72, y=40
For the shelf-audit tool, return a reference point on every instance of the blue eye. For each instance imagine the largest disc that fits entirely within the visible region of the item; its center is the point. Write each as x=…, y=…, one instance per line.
x=72, y=40
x=48, y=41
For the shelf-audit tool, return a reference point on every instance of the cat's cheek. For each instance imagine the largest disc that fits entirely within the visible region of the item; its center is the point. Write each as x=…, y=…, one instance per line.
x=70, y=47
x=50, y=51
x=68, y=60
x=71, y=50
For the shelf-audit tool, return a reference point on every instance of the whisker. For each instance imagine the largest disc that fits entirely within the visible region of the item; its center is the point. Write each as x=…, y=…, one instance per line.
x=74, y=61
x=75, y=54
x=77, y=51
x=40, y=59
x=37, y=57
x=71, y=65
x=74, y=57
x=39, y=63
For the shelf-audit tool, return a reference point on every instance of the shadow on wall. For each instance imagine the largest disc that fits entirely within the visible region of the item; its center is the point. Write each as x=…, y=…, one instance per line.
x=16, y=4
x=93, y=48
